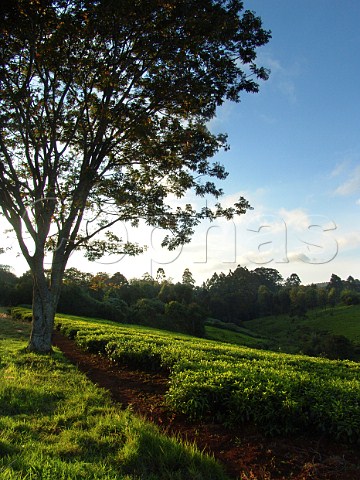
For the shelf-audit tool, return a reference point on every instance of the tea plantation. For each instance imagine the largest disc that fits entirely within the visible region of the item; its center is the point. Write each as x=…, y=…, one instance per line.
x=281, y=393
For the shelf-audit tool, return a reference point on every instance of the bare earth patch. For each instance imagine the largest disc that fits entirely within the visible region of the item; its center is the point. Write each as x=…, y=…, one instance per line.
x=244, y=452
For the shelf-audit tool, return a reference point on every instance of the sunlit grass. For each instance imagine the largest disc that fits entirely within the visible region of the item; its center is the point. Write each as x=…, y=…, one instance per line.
x=285, y=332
x=229, y=336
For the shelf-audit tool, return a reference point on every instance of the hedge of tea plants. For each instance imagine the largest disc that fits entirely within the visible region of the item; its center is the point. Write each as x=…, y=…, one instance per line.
x=280, y=393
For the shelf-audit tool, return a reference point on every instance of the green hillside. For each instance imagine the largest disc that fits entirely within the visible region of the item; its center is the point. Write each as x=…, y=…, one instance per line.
x=293, y=334
x=231, y=333
x=341, y=320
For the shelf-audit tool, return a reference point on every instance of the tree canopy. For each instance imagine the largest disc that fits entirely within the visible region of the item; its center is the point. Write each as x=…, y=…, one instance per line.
x=104, y=111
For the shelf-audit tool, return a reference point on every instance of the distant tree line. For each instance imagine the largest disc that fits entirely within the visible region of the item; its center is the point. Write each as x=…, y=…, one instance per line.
x=155, y=302
x=245, y=294
x=234, y=297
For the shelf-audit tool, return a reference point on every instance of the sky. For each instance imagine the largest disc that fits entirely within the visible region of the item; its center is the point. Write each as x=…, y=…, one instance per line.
x=295, y=155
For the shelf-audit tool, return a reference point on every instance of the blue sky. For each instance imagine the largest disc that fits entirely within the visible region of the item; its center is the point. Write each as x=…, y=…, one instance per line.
x=296, y=145
x=295, y=155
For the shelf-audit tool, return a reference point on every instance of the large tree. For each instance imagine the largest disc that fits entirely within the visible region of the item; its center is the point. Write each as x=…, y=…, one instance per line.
x=104, y=107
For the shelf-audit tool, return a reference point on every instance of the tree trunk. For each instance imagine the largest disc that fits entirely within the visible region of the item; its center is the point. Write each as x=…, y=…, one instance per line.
x=42, y=321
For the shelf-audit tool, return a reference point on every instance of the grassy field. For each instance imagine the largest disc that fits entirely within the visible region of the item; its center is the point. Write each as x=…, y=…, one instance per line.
x=56, y=424
x=286, y=333
x=230, y=333
x=341, y=320
x=344, y=320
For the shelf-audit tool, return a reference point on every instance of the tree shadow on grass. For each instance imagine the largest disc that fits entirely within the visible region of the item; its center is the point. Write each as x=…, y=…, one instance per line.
x=11, y=329
x=17, y=400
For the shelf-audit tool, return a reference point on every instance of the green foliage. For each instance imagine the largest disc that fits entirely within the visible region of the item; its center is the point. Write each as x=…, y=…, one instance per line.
x=185, y=318
x=265, y=300
x=293, y=281
x=350, y=297
x=303, y=321
x=75, y=299
x=148, y=311
x=23, y=290
x=175, y=310
x=22, y=314
x=328, y=345
x=280, y=393
x=179, y=292
x=7, y=283
x=187, y=278
x=56, y=424
x=104, y=111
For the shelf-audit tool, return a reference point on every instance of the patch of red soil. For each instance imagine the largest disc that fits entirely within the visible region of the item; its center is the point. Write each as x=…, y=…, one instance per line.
x=244, y=452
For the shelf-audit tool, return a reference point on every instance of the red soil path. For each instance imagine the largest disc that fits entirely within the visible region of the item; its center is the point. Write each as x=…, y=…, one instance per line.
x=245, y=453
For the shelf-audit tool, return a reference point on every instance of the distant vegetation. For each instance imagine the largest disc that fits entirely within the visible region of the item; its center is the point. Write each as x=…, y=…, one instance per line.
x=257, y=307
x=333, y=333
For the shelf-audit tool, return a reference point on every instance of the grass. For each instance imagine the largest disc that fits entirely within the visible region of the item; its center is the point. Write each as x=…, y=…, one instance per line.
x=285, y=333
x=342, y=320
x=228, y=336
x=56, y=424
x=231, y=333
x=290, y=334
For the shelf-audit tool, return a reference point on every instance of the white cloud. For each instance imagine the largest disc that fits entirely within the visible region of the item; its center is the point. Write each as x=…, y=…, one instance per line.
x=270, y=120
x=297, y=218
x=222, y=117
x=340, y=168
x=349, y=241
x=299, y=257
x=288, y=89
x=271, y=62
x=351, y=185
x=282, y=239
x=283, y=77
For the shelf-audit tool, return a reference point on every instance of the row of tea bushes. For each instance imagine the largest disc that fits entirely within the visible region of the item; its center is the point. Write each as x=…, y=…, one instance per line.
x=279, y=392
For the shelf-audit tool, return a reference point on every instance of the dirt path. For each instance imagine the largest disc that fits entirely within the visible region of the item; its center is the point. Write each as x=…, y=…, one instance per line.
x=244, y=452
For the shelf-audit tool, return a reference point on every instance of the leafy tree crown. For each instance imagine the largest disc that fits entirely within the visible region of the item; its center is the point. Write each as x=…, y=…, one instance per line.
x=104, y=111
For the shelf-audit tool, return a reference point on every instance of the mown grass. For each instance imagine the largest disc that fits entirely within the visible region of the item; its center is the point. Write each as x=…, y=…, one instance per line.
x=56, y=424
